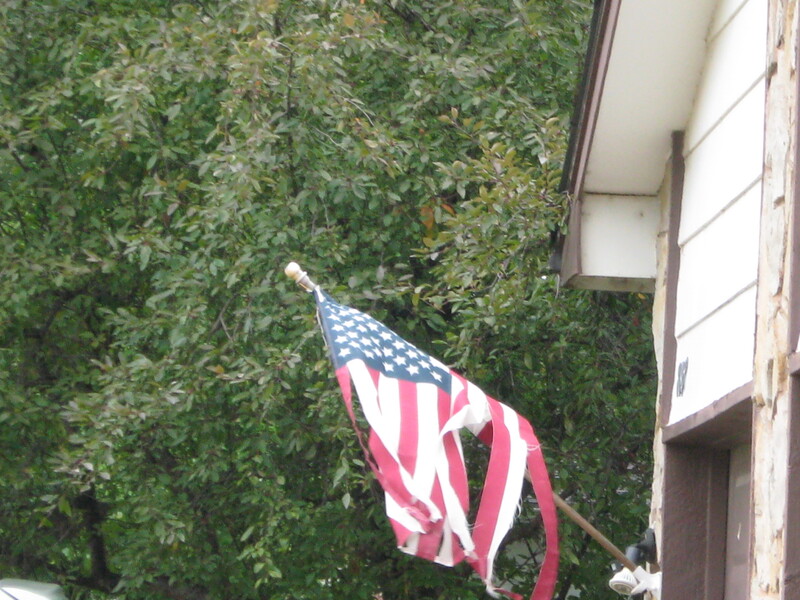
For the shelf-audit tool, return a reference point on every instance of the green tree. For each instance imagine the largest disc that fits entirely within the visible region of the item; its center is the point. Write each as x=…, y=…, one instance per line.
x=169, y=425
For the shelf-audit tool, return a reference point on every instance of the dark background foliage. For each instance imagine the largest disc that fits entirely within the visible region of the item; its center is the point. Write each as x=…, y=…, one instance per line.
x=170, y=427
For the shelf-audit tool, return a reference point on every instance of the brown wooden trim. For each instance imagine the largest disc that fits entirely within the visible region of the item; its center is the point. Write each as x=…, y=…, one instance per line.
x=794, y=362
x=669, y=352
x=794, y=232
x=643, y=285
x=589, y=95
x=791, y=570
x=694, y=522
x=571, y=250
x=725, y=423
x=582, y=128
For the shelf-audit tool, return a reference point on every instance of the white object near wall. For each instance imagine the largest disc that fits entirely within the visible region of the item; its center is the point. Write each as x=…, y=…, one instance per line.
x=618, y=238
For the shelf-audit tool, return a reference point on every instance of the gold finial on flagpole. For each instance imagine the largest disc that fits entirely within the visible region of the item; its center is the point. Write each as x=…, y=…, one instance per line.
x=293, y=271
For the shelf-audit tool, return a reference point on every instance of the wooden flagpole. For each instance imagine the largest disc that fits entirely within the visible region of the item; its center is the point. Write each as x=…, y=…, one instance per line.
x=293, y=271
x=593, y=532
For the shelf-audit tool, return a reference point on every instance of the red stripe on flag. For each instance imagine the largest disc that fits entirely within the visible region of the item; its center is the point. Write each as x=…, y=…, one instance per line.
x=493, y=492
x=409, y=430
x=430, y=541
x=458, y=471
x=548, y=574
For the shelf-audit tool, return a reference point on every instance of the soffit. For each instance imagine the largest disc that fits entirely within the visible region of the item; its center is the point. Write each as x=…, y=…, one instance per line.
x=653, y=71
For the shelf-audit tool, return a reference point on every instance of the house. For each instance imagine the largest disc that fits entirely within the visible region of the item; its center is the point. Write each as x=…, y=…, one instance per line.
x=683, y=184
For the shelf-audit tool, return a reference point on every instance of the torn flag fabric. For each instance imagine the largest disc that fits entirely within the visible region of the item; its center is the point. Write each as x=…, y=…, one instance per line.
x=415, y=407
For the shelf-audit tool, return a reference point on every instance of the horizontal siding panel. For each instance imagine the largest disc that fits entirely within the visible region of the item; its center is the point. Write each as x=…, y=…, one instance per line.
x=725, y=164
x=720, y=261
x=725, y=11
x=736, y=61
x=719, y=351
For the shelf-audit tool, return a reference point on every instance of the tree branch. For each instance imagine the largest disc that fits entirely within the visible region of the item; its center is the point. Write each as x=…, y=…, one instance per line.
x=410, y=16
x=94, y=513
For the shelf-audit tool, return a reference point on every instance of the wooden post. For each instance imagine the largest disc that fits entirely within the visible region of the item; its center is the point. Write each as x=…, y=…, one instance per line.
x=771, y=377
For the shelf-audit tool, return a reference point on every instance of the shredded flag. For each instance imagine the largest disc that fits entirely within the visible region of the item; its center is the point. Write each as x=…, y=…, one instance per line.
x=415, y=407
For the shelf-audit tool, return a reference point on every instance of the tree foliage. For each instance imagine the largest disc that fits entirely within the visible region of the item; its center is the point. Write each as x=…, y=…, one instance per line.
x=170, y=428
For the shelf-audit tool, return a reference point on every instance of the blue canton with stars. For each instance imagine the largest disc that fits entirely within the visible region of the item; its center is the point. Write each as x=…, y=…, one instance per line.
x=351, y=334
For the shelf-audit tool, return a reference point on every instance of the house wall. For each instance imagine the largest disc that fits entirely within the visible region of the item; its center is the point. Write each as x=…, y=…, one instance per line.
x=726, y=307
x=705, y=310
x=731, y=216
x=719, y=226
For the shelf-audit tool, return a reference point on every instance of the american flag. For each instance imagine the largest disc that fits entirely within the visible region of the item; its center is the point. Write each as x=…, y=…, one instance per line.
x=415, y=407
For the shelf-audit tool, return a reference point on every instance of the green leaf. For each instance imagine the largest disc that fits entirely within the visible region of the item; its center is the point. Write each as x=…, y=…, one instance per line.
x=247, y=533
x=144, y=256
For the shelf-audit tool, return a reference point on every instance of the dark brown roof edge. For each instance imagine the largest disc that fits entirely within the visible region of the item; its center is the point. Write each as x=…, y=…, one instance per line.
x=587, y=98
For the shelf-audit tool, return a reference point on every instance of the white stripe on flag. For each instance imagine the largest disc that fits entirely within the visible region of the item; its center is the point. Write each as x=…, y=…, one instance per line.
x=397, y=513
x=513, y=485
x=428, y=447
x=467, y=415
x=479, y=413
x=389, y=395
x=445, y=555
x=412, y=544
x=456, y=517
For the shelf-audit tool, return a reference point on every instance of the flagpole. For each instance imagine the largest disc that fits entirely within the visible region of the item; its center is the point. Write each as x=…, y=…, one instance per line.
x=578, y=519
x=293, y=271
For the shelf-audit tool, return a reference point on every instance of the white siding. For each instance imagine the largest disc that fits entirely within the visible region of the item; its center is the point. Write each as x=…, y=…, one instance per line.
x=724, y=165
x=719, y=351
x=715, y=319
x=734, y=64
x=725, y=11
x=719, y=262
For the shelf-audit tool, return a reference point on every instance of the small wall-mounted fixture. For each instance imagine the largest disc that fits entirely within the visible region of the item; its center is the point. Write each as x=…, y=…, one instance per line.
x=681, y=383
x=635, y=583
